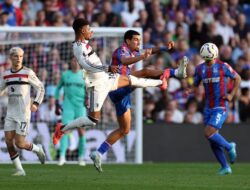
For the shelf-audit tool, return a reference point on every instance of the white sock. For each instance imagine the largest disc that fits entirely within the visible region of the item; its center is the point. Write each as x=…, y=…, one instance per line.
x=62, y=158
x=17, y=163
x=79, y=122
x=143, y=82
x=35, y=148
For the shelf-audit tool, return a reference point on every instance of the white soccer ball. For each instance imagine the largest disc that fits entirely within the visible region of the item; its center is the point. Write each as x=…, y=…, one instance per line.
x=209, y=51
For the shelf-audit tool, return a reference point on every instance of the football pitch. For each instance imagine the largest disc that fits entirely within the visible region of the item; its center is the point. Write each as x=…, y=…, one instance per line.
x=168, y=176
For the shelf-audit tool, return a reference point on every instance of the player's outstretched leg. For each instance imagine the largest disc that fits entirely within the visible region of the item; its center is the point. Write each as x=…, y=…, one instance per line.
x=232, y=154
x=97, y=159
x=80, y=122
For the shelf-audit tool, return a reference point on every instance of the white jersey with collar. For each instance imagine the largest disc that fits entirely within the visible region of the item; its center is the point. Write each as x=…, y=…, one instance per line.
x=89, y=62
x=18, y=88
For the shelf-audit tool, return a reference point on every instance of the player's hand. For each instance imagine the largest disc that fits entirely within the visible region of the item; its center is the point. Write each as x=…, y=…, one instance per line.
x=113, y=69
x=228, y=97
x=170, y=45
x=34, y=107
x=147, y=53
x=58, y=110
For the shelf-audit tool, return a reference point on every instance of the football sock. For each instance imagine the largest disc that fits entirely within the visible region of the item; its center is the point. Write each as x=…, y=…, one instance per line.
x=220, y=141
x=79, y=122
x=16, y=161
x=81, y=146
x=64, y=142
x=104, y=147
x=219, y=154
x=143, y=82
x=35, y=148
x=173, y=72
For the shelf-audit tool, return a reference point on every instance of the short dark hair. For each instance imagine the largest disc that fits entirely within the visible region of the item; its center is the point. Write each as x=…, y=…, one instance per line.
x=79, y=23
x=129, y=34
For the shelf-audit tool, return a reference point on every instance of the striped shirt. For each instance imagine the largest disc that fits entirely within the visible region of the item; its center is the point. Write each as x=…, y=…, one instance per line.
x=123, y=51
x=215, y=80
x=18, y=89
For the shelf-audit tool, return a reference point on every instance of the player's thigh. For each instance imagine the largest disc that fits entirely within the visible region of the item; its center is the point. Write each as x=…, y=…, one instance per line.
x=217, y=117
x=68, y=114
x=120, y=94
x=20, y=125
x=79, y=111
x=99, y=92
x=9, y=124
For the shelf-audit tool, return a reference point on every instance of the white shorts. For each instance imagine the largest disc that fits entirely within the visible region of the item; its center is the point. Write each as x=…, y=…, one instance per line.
x=21, y=127
x=98, y=93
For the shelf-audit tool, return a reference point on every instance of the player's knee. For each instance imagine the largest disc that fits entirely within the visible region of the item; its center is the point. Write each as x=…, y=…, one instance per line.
x=125, y=131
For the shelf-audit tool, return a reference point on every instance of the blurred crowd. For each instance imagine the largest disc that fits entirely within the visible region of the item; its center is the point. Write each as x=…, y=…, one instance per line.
x=189, y=23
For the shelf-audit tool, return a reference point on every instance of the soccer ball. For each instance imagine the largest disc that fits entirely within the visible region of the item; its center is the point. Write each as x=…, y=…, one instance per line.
x=209, y=51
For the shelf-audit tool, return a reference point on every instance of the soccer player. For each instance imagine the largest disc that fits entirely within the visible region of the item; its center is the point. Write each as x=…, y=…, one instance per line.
x=214, y=75
x=99, y=80
x=17, y=80
x=73, y=84
x=124, y=56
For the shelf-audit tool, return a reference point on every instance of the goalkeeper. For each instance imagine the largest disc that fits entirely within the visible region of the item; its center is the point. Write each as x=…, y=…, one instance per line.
x=73, y=84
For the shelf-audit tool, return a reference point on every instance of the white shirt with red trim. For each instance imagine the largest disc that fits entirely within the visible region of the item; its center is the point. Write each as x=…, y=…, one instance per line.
x=18, y=87
x=91, y=64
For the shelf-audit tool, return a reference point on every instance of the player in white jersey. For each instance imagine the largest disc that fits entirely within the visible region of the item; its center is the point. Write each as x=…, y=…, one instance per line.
x=99, y=81
x=18, y=80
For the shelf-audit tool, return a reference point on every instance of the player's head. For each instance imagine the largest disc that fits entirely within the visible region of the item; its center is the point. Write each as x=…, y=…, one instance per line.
x=209, y=52
x=16, y=57
x=82, y=28
x=132, y=38
x=74, y=66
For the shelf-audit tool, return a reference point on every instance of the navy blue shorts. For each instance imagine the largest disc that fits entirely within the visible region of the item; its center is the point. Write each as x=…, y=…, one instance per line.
x=121, y=99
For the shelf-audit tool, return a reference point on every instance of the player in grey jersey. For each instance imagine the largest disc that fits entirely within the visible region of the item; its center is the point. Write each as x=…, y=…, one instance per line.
x=18, y=80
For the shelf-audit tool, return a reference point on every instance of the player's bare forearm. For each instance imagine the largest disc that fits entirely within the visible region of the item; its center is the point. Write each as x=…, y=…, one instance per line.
x=163, y=48
x=132, y=60
x=236, y=86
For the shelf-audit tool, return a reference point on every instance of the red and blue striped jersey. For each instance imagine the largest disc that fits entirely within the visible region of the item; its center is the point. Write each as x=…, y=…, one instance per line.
x=123, y=51
x=215, y=80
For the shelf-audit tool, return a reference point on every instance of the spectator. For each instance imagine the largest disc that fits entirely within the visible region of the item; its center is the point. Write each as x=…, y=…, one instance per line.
x=15, y=16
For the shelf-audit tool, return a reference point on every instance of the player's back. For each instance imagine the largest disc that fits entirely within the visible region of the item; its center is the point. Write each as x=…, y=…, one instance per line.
x=215, y=80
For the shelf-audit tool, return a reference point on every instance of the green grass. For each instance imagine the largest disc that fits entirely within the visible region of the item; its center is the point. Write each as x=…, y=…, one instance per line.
x=170, y=176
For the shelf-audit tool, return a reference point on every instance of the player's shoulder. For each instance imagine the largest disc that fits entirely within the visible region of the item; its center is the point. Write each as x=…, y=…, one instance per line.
x=27, y=70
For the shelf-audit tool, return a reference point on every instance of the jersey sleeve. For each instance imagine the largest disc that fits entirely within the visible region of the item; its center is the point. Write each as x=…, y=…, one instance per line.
x=197, y=77
x=2, y=84
x=229, y=71
x=38, y=85
x=87, y=59
x=59, y=86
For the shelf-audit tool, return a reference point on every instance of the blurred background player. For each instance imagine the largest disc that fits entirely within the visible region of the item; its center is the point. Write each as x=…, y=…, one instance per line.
x=124, y=57
x=73, y=84
x=214, y=75
x=18, y=80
